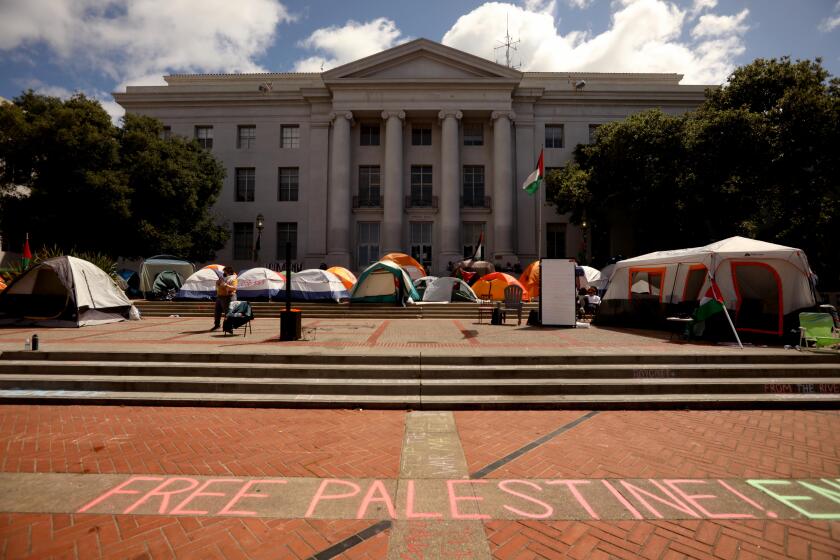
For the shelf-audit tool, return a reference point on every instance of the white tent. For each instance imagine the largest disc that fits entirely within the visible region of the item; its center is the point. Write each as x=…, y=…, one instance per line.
x=761, y=283
x=591, y=275
x=442, y=289
x=63, y=292
x=201, y=285
x=316, y=284
x=259, y=283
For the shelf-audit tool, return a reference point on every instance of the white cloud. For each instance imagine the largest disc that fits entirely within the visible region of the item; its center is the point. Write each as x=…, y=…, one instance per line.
x=129, y=39
x=579, y=4
x=701, y=5
x=830, y=23
x=644, y=36
x=352, y=41
x=711, y=25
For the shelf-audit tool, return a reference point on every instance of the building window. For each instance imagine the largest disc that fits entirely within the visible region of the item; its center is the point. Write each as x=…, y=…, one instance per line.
x=472, y=234
x=421, y=243
x=204, y=135
x=286, y=233
x=287, y=184
x=290, y=136
x=369, y=134
x=473, y=196
x=473, y=134
x=369, y=193
x=421, y=185
x=555, y=237
x=243, y=241
x=166, y=133
x=246, y=137
x=593, y=132
x=245, y=184
x=554, y=136
x=421, y=136
x=368, y=244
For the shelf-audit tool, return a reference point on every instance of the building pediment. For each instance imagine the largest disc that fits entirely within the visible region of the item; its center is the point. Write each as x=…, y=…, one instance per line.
x=420, y=60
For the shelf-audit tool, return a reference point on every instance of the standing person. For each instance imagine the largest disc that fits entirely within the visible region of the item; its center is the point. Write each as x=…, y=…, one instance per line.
x=225, y=293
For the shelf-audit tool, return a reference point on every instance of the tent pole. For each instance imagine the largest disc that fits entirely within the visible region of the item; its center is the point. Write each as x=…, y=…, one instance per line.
x=726, y=312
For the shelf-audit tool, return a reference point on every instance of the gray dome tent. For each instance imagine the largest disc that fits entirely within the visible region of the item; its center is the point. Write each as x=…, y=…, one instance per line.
x=63, y=292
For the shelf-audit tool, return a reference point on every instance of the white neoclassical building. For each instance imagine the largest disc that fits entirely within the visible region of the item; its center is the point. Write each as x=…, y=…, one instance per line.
x=417, y=149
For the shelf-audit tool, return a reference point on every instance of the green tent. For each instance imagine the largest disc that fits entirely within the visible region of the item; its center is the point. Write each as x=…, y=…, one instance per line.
x=376, y=284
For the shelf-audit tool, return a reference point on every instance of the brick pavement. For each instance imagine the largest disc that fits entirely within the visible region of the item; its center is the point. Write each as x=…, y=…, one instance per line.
x=355, y=444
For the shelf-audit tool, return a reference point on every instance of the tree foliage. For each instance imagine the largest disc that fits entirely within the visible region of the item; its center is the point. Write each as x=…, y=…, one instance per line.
x=75, y=181
x=759, y=158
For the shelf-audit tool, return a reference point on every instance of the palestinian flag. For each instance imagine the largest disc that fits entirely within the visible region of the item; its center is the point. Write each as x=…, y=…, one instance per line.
x=532, y=183
x=27, y=254
x=710, y=304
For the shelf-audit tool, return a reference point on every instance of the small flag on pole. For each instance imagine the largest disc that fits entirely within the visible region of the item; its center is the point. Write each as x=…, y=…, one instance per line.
x=711, y=303
x=532, y=183
x=27, y=254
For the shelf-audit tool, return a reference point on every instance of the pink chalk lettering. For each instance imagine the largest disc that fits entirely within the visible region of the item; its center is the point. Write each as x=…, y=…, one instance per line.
x=118, y=490
x=454, y=499
x=572, y=485
x=675, y=503
x=322, y=495
x=503, y=485
x=409, y=506
x=179, y=509
x=694, y=499
x=622, y=500
x=740, y=495
x=384, y=497
x=242, y=494
x=164, y=495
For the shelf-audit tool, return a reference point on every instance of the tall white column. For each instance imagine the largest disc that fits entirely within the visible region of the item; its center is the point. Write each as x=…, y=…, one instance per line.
x=339, y=202
x=450, y=188
x=503, y=202
x=394, y=194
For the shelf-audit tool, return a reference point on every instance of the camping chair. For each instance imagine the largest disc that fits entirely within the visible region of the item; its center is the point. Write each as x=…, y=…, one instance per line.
x=239, y=315
x=817, y=328
x=485, y=307
x=513, y=302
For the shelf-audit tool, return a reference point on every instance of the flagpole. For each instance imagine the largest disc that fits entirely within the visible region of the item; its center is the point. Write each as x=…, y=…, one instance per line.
x=539, y=215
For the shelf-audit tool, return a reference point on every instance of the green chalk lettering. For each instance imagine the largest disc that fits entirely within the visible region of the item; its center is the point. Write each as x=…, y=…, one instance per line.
x=790, y=500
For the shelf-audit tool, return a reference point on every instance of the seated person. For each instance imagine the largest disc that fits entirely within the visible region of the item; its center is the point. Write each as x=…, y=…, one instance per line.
x=593, y=300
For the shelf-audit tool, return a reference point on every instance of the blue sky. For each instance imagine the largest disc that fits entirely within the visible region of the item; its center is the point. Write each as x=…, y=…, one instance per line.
x=100, y=46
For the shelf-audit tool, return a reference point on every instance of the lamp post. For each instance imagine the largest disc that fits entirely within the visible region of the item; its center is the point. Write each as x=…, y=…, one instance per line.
x=260, y=226
x=583, y=256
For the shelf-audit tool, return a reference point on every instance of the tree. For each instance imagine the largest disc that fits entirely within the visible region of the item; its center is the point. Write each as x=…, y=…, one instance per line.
x=758, y=158
x=75, y=181
x=173, y=184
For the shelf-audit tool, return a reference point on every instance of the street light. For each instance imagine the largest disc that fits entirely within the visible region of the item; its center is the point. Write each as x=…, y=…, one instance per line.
x=260, y=226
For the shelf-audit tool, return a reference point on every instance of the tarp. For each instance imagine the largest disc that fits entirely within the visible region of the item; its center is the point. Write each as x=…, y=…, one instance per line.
x=447, y=289
x=315, y=284
x=166, y=285
x=422, y=283
x=259, y=283
x=530, y=279
x=347, y=278
x=157, y=264
x=201, y=285
x=63, y=292
x=492, y=286
x=414, y=269
x=764, y=285
x=376, y=284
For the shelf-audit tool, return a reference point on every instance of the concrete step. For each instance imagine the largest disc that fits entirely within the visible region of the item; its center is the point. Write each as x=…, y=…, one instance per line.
x=640, y=361
x=460, y=373
x=308, y=400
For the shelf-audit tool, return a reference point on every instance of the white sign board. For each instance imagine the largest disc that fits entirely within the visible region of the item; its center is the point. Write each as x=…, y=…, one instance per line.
x=558, y=295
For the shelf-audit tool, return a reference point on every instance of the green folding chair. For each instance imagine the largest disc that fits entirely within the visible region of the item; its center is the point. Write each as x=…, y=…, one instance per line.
x=817, y=329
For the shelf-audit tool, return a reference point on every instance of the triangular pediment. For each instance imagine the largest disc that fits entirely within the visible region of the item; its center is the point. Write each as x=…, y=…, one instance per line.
x=421, y=60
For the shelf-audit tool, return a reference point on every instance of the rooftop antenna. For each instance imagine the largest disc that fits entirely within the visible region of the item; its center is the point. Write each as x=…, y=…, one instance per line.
x=508, y=44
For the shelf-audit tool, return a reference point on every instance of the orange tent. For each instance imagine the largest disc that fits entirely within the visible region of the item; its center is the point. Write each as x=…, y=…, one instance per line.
x=216, y=267
x=530, y=278
x=414, y=269
x=2, y=285
x=494, y=285
x=347, y=278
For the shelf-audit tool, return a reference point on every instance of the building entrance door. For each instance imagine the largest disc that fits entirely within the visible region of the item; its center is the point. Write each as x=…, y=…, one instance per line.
x=421, y=244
